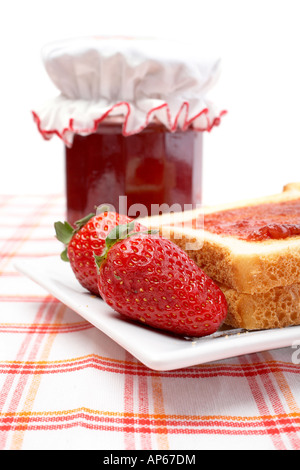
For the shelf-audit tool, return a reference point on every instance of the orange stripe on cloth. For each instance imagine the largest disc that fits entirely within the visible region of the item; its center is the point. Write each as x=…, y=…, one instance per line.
x=106, y=363
x=18, y=436
x=48, y=328
x=195, y=420
x=140, y=424
x=159, y=410
x=67, y=365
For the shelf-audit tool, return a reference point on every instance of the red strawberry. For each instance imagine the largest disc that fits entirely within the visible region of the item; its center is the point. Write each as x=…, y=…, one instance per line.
x=150, y=279
x=87, y=239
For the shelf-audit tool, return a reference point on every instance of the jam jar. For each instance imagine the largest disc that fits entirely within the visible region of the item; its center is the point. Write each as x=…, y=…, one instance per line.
x=147, y=173
x=131, y=113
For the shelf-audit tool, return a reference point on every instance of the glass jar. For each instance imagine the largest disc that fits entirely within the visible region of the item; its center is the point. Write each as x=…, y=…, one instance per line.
x=147, y=173
x=131, y=113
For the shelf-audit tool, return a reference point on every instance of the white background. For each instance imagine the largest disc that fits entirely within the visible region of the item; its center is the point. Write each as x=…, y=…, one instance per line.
x=256, y=149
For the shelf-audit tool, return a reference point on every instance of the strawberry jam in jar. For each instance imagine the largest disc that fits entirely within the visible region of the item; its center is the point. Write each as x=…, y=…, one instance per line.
x=146, y=173
x=131, y=113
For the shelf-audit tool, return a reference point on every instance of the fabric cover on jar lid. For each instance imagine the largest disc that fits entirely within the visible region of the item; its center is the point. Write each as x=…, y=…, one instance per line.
x=140, y=80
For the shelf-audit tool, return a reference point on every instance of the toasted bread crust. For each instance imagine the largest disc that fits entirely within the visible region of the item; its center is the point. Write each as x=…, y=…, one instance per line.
x=257, y=272
x=278, y=308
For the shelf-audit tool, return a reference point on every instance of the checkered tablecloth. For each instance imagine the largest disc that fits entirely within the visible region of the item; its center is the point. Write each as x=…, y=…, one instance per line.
x=65, y=385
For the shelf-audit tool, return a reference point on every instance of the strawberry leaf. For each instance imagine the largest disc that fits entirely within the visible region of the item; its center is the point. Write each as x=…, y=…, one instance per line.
x=64, y=232
x=64, y=255
x=119, y=232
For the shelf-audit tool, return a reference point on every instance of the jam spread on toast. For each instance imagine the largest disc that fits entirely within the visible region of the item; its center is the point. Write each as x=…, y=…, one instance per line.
x=269, y=221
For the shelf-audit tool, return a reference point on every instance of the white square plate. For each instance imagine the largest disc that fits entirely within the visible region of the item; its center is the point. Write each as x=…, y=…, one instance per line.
x=154, y=348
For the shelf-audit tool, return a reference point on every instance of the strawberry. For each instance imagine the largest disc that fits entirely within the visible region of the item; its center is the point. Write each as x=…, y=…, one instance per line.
x=150, y=279
x=87, y=239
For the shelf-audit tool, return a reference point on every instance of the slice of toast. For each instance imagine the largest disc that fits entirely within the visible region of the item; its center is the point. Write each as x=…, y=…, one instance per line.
x=277, y=308
x=248, y=267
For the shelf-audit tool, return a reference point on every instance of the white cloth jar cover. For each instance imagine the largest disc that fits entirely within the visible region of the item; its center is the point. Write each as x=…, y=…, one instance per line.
x=140, y=80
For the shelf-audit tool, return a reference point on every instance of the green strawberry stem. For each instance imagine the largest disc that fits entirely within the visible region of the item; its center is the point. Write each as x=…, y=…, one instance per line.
x=118, y=233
